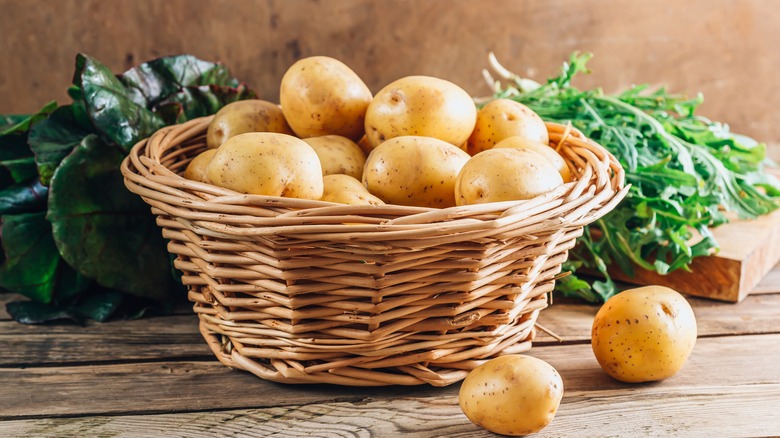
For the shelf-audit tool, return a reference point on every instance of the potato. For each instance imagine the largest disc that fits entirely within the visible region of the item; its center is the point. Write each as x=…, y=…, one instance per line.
x=322, y=96
x=338, y=155
x=196, y=169
x=511, y=395
x=252, y=115
x=644, y=334
x=345, y=189
x=504, y=118
x=413, y=170
x=422, y=106
x=549, y=153
x=505, y=174
x=266, y=163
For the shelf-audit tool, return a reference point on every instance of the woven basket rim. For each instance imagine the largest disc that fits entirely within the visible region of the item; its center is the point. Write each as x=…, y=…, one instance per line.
x=146, y=174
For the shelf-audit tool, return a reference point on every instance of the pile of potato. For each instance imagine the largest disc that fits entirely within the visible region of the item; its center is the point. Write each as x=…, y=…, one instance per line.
x=420, y=141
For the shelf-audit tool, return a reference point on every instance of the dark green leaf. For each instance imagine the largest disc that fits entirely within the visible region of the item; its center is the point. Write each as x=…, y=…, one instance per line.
x=52, y=139
x=193, y=102
x=110, y=106
x=100, y=304
x=70, y=285
x=156, y=80
x=31, y=256
x=101, y=229
x=23, y=124
x=31, y=312
x=23, y=198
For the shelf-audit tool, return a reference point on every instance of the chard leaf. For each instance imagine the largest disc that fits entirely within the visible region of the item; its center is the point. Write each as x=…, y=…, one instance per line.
x=17, y=124
x=152, y=82
x=101, y=229
x=31, y=262
x=26, y=197
x=100, y=304
x=52, y=139
x=32, y=312
x=111, y=107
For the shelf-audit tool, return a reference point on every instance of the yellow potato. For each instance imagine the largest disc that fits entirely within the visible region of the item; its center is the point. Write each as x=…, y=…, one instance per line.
x=338, y=155
x=505, y=174
x=512, y=395
x=196, y=169
x=504, y=118
x=345, y=189
x=412, y=170
x=252, y=115
x=549, y=153
x=644, y=334
x=421, y=106
x=265, y=163
x=322, y=96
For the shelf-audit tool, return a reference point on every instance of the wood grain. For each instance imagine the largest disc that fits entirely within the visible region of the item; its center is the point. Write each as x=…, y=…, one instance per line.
x=177, y=338
x=749, y=250
x=728, y=51
x=743, y=411
x=171, y=337
x=199, y=386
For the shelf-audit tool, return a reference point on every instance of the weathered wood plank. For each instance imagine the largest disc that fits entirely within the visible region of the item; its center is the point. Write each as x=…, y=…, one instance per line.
x=195, y=386
x=176, y=337
x=154, y=338
x=696, y=412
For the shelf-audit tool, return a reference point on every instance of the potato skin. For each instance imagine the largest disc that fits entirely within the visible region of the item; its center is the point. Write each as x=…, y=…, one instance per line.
x=421, y=106
x=512, y=395
x=338, y=155
x=266, y=163
x=549, y=153
x=345, y=189
x=322, y=96
x=197, y=168
x=505, y=174
x=504, y=118
x=644, y=334
x=253, y=115
x=413, y=170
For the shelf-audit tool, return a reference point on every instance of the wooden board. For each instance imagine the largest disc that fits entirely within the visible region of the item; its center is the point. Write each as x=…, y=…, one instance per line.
x=749, y=250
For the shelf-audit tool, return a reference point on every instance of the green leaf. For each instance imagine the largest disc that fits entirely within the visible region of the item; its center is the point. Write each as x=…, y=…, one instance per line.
x=52, y=139
x=23, y=198
x=100, y=304
x=8, y=121
x=23, y=123
x=101, y=229
x=31, y=261
x=156, y=80
x=201, y=101
x=32, y=312
x=111, y=107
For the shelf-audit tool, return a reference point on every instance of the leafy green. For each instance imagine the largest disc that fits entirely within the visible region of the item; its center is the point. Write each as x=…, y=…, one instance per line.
x=100, y=250
x=26, y=197
x=52, y=139
x=101, y=229
x=684, y=171
x=30, y=268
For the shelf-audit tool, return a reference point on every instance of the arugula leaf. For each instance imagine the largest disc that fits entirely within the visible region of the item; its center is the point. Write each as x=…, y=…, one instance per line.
x=683, y=169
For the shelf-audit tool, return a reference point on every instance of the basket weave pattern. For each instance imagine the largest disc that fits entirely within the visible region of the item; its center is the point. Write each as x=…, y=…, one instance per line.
x=302, y=291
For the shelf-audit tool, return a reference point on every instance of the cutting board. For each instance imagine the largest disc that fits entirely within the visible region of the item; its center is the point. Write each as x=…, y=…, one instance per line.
x=748, y=251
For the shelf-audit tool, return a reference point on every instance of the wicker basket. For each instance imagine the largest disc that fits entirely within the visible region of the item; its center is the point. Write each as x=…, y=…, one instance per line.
x=301, y=291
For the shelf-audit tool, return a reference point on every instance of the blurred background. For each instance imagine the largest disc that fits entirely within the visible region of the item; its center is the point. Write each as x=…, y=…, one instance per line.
x=725, y=49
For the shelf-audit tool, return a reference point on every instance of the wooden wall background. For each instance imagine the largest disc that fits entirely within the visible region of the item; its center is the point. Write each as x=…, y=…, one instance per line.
x=726, y=49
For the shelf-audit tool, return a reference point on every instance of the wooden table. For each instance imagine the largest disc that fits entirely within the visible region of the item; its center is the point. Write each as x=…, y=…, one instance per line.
x=156, y=377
